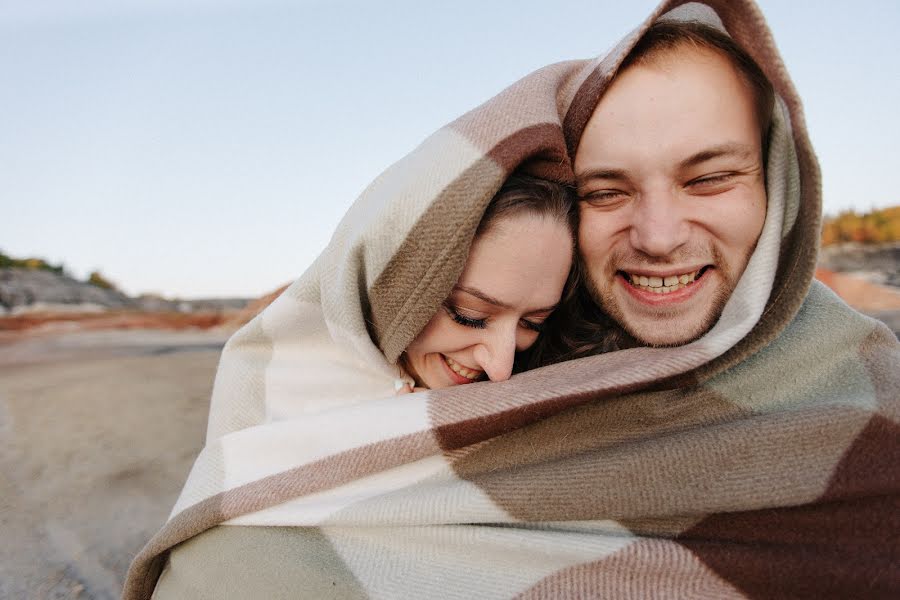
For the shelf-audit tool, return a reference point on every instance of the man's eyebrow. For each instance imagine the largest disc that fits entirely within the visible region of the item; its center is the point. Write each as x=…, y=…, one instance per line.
x=735, y=150
x=491, y=300
x=600, y=173
x=730, y=149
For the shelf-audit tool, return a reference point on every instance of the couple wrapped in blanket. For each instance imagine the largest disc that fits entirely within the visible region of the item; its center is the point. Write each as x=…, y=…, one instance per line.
x=691, y=415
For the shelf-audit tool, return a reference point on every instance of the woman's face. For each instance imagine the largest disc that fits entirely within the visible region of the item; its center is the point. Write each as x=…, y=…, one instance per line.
x=512, y=281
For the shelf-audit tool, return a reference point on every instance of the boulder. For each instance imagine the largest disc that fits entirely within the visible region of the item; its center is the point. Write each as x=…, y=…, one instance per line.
x=24, y=289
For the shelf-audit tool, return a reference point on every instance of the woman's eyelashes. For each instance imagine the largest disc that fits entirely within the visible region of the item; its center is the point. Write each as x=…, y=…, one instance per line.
x=532, y=325
x=464, y=320
x=475, y=323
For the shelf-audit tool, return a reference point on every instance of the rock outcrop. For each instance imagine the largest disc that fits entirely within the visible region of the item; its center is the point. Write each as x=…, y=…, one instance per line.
x=38, y=290
x=34, y=289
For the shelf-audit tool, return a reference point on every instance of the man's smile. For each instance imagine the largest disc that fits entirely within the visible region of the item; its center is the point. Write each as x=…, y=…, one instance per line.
x=668, y=290
x=662, y=282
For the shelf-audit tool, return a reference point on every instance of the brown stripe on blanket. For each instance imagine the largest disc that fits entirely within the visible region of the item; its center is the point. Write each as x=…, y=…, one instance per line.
x=422, y=272
x=466, y=415
x=825, y=550
x=632, y=466
x=846, y=544
x=645, y=569
x=537, y=150
x=604, y=423
x=323, y=474
x=871, y=467
x=539, y=100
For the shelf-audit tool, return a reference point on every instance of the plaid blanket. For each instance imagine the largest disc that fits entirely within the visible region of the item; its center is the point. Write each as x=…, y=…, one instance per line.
x=759, y=461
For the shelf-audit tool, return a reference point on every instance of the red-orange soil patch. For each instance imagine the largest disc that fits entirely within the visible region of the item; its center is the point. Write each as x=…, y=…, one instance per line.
x=112, y=320
x=860, y=294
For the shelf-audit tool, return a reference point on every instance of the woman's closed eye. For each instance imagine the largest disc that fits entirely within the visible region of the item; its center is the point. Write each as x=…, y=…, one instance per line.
x=537, y=326
x=464, y=320
x=460, y=316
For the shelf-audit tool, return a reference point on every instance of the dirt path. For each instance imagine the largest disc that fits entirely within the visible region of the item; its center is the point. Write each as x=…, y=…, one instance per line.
x=97, y=435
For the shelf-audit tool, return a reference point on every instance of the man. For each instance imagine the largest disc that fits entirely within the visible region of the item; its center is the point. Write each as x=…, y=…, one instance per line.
x=671, y=182
x=742, y=444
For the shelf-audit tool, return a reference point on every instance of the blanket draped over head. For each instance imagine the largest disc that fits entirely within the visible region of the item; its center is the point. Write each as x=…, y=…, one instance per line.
x=758, y=461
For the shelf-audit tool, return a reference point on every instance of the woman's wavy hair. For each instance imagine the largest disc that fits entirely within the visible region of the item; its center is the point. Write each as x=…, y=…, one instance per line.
x=524, y=194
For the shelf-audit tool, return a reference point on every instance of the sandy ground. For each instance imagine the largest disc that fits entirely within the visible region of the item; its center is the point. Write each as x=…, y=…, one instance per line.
x=97, y=433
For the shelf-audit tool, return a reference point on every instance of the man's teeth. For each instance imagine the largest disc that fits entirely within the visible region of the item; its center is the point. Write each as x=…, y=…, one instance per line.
x=461, y=370
x=660, y=285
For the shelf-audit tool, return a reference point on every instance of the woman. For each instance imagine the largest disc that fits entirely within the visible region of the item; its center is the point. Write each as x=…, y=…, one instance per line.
x=325, y=367
x=512, y=281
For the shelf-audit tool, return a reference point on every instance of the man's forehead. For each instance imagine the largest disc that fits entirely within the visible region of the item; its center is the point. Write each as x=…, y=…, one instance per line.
x=693, y=108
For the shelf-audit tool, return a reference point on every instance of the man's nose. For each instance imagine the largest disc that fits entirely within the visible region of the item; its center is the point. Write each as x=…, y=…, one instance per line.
x=659, y=225
x=496, y=354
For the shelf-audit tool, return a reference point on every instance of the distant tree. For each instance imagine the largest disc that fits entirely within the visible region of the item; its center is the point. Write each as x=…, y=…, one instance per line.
x=99, y=280
x=875, y=227
x=30, y=263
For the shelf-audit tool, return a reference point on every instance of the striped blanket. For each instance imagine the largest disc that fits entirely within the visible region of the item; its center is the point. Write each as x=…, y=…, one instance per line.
x=758, y=461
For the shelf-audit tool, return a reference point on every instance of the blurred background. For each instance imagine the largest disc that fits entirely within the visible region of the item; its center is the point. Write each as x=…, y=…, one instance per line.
x=208, y=148
x=167, y=166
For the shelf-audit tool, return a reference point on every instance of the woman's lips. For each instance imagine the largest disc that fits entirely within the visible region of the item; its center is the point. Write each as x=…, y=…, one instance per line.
x=458, y=373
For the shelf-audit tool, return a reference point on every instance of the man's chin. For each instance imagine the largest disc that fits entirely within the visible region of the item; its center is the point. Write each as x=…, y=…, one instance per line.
x=661, y=326
x=666, y=330
x=651, y=336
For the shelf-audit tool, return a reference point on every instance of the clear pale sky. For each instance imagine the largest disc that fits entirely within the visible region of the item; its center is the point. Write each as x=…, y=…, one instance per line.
x=200, y=148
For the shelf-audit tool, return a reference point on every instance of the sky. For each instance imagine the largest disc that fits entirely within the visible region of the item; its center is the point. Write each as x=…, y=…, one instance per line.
x=208, y=148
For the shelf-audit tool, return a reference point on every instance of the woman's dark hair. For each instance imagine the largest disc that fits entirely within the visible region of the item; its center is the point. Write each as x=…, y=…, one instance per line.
x=524, y=194
x=578, y=328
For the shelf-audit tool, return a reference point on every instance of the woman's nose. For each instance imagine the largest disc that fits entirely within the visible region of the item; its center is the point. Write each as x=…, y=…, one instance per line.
x=496, y=355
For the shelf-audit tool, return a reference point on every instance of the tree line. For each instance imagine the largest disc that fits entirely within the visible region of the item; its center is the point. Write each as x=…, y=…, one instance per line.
x=875, y=227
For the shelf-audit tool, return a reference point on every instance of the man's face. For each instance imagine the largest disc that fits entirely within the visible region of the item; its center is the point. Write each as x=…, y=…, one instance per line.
x=672, y=194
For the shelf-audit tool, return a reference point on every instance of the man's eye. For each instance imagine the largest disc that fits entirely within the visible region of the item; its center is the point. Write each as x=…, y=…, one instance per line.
x=603, y=197
x=711, y=181
x=462, y=319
